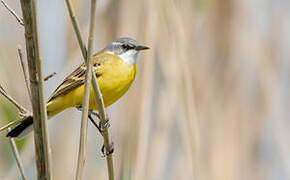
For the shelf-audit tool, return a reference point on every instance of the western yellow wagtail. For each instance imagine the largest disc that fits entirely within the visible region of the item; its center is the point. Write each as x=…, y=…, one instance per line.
x=115, y=67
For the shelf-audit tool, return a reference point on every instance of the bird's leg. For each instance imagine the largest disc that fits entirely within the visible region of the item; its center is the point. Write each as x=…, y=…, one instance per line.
x=95, y=124
x=111, y=146
x=80, y=108
x=101, y=130
x=107, y=121
x=95, y=114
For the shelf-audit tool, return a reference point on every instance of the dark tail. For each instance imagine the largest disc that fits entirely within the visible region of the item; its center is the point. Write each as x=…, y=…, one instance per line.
x=21, y=127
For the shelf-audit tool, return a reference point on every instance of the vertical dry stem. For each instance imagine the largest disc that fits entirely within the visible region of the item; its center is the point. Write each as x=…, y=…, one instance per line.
x=86, y=98
x=41, y=139
x=97, y=92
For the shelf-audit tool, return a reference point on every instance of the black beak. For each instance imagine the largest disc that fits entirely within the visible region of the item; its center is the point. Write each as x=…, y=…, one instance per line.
x=140, y=48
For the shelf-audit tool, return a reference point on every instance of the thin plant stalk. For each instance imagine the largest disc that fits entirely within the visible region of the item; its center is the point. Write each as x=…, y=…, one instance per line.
x=97, y=92
x=76, y=27
x=22, y=110
x=17, y=157
x=41, y=139
x=86, y=97
x=84, y=123
x=49, y=76
x=18, y=121
x=25, y=71
x=13, y=13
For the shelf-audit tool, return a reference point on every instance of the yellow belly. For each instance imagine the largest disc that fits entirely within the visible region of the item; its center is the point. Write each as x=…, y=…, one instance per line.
x=114, y=83
x=115, y=80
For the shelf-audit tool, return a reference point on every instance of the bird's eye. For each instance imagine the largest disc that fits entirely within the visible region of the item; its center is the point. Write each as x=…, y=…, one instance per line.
x=127, y=47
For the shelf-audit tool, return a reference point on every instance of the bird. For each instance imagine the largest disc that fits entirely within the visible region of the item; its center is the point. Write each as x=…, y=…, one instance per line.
x=115, y=67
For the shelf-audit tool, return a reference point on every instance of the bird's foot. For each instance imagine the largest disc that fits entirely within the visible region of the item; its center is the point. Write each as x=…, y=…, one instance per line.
x=110, y=151
x=79, y=107
x=98, y=125
x=107, y=121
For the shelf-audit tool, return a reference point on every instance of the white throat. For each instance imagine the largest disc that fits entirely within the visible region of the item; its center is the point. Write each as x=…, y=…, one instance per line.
x=129, y=57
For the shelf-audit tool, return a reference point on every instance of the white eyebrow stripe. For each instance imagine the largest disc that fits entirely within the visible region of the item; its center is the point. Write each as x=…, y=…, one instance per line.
x=116, y=43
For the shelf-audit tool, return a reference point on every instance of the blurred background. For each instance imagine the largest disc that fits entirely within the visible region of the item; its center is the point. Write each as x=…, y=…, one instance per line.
x=210, y=100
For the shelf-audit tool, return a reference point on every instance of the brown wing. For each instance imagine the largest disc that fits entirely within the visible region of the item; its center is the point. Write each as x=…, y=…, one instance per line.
x=77, y=77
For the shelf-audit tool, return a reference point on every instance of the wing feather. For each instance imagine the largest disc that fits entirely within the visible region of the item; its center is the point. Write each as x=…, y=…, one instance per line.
x=74, y=80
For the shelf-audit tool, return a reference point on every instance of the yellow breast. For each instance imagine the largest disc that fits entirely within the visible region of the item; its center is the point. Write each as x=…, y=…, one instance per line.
x=115, y=80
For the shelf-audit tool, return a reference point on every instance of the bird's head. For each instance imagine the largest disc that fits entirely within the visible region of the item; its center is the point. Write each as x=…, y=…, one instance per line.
x=125, y=48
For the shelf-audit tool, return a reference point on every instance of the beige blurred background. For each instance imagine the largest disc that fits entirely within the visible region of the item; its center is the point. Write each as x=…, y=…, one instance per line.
x=210, y=101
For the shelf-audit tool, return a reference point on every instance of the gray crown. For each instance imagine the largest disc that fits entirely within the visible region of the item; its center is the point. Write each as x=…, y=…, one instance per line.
x=122, y=45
